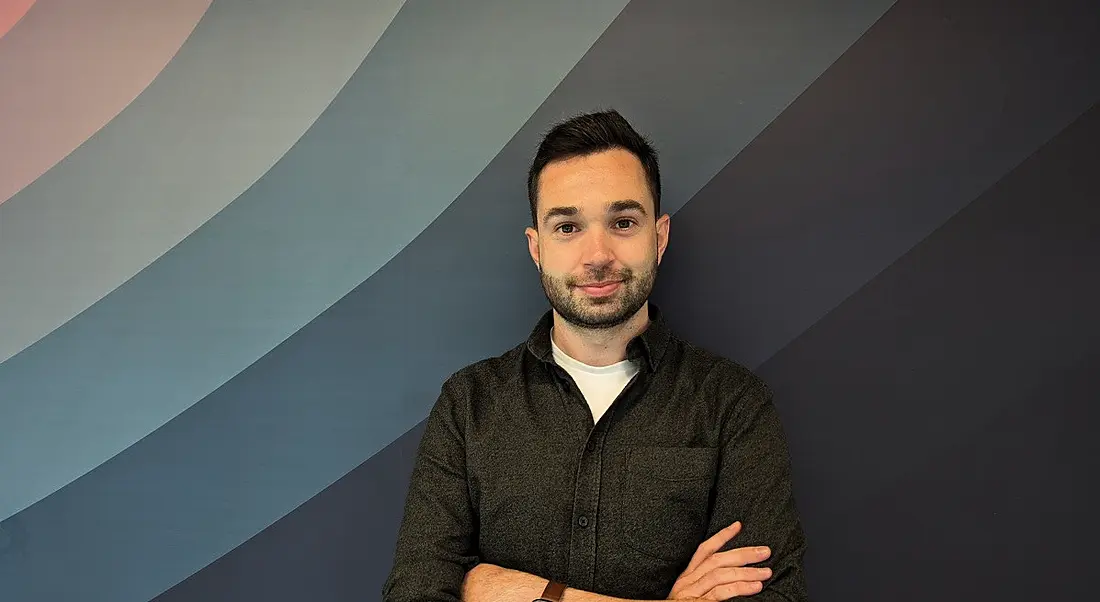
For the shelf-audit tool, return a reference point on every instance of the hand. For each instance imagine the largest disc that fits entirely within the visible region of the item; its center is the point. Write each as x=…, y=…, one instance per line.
x=714, y=575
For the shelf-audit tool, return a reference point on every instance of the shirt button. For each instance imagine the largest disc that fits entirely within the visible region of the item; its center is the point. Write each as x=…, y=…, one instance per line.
x=583, y=521
x=591, y=446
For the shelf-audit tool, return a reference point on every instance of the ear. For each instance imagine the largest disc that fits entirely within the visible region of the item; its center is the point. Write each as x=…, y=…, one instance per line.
x=662, y=235
x=533, y=246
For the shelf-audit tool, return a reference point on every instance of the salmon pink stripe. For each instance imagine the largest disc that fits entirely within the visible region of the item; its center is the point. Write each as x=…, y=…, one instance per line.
x=70, y=66
x=10, y=13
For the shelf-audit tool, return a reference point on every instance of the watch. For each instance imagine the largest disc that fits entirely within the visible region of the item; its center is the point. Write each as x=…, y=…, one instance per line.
x=552, y=593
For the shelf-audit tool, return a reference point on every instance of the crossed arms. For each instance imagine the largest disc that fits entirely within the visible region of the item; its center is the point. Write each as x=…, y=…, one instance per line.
x=437, y=560
x=711, y=575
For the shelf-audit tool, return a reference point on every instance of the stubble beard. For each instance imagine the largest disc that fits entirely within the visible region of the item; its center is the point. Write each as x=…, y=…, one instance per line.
x=599, y=313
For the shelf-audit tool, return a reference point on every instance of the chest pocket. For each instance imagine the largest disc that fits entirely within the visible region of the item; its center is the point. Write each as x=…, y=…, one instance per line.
x=666, y=495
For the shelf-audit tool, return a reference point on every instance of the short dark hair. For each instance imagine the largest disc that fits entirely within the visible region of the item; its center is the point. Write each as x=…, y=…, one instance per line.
x=591, y=133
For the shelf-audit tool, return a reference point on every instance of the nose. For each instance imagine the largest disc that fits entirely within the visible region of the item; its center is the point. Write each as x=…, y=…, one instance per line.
x=598, y=253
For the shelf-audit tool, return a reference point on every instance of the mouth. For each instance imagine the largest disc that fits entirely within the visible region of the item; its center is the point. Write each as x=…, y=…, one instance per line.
x=600, y=289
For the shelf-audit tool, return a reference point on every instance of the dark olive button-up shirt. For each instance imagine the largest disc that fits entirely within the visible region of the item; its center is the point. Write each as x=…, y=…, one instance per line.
x=513, y=471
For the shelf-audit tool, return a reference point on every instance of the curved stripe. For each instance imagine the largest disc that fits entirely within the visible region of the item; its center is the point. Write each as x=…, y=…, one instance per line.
x=944, y=344
x=369, y=367
x=808, y=219
x=324, y=533
x=244, y=89
x=11, y=12
x=233, y=289
x=357, y=517
x=73, y=65
x=251, y=79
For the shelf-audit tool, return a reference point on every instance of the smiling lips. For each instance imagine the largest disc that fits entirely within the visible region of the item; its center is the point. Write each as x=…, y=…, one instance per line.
x=600, y=289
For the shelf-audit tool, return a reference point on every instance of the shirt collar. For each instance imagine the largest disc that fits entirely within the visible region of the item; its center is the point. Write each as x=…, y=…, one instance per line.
x=647, y=347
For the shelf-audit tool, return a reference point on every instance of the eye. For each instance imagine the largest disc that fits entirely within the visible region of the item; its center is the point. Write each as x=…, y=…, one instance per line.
x=567, y=228
x=624, y=223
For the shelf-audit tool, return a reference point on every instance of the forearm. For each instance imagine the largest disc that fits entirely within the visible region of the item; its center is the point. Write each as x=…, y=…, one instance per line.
x=491, y=583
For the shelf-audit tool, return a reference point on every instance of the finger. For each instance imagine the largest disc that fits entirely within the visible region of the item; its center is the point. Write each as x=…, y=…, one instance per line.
x=712, y=545
x=727, y=576
x=732, y=590
x=735, y=557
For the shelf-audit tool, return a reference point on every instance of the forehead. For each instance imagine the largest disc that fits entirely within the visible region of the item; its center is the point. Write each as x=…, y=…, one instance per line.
x=592, y=181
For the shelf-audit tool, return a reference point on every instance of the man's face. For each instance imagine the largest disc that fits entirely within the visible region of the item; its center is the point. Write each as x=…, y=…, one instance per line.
x=597, y=244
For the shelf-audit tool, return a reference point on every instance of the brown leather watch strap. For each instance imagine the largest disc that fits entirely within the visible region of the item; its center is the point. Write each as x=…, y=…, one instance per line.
x=553, y=591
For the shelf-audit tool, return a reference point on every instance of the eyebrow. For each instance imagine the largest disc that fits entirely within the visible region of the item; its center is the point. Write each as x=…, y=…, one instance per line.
x=622, y=206
x=626, y=205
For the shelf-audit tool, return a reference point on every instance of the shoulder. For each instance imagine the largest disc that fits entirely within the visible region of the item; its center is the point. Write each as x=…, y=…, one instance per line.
x=460, y=392
x=487, y=374
x=739, y=401
x=734, y=395
x=718, y=372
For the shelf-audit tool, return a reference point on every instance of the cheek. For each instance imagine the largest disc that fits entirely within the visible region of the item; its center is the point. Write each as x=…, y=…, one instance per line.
x=637, y=256
x=560, y=260
x=552, y=268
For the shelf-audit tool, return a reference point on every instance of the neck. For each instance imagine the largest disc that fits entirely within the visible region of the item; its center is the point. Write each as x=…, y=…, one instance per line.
x=599, y=346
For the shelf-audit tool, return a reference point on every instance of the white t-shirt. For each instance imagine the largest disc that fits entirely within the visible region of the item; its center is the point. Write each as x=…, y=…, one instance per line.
x=599, y=384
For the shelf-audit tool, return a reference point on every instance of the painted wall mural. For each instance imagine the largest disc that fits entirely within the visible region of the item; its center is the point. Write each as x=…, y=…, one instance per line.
x=243, y=243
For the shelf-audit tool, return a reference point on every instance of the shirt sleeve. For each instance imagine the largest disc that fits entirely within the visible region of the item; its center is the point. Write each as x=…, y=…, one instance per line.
x=754, y=486
x=436, y=541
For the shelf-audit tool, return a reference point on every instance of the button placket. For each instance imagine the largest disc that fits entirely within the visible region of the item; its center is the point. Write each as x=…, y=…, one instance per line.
x=582, y=556
x=582, y=546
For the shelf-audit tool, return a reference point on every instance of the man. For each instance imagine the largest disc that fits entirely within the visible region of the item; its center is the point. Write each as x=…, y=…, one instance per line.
x=604, y=458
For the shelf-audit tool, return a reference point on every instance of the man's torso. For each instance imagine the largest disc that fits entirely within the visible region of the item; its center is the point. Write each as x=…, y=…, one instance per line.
x=616, y=507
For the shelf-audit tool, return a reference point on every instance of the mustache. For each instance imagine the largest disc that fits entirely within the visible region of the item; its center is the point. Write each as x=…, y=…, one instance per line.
x=601, y=275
